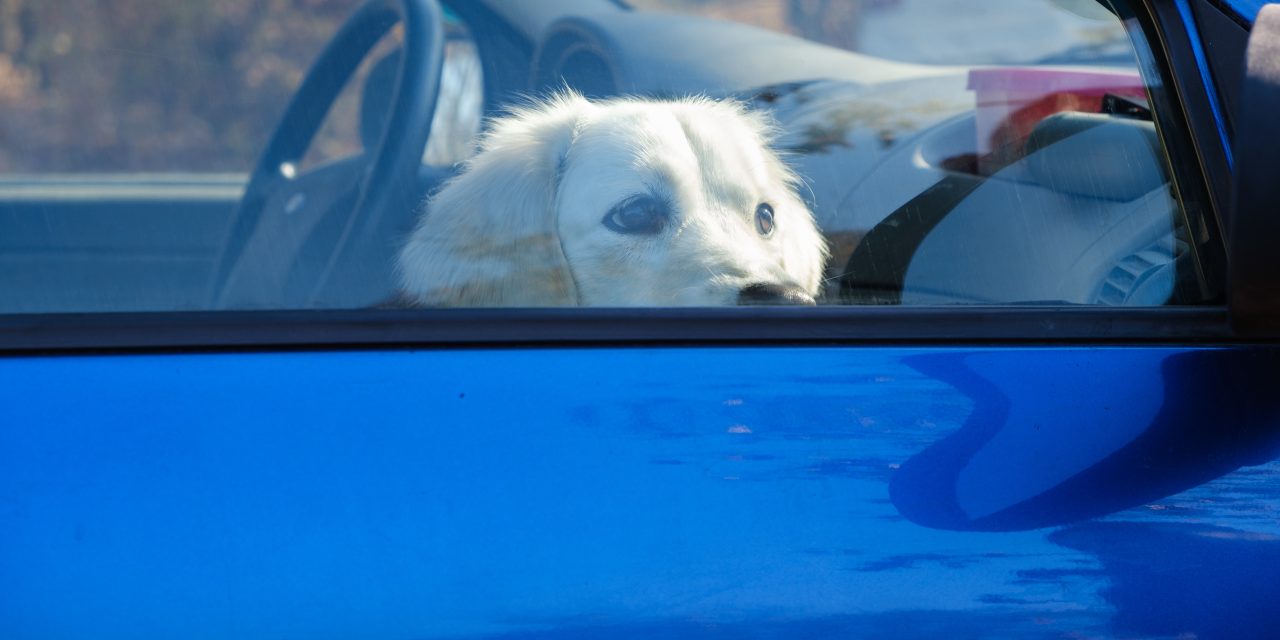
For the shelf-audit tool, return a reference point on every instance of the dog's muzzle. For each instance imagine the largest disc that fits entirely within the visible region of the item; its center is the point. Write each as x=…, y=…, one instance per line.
x=762, y=293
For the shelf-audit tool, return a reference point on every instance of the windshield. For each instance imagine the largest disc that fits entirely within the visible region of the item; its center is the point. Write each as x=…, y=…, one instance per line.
x=934, y=31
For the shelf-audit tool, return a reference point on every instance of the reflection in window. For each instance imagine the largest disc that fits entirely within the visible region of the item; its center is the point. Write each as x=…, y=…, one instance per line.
x=460, y=105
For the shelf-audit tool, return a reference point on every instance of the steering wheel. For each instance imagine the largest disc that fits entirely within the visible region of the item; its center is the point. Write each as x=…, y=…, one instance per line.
x=388, y=172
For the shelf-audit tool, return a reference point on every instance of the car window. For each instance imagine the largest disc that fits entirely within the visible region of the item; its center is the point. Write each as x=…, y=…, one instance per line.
x=460, y=104
x=358, y=117
x=934, y=32
x=590, y=153
x=143, y=86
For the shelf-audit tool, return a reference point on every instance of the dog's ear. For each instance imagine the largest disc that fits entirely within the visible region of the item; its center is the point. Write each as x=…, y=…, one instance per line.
x=488, y=237
x=805, y=253
x=804, y=249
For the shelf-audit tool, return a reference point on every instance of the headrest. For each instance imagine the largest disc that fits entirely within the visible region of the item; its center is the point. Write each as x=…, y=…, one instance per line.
x=1097, y=155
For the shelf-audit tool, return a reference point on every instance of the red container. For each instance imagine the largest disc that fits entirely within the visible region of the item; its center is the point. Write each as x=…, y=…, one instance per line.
x=1012, y=100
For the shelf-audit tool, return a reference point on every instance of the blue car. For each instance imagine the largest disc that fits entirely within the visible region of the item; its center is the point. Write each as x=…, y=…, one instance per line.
x=1036, y=396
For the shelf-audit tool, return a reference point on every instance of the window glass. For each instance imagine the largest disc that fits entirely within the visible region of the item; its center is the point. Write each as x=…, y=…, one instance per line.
x=358, y=117
x=460, y=105
x=146, y=85
x=935, y=32
x=649, y=153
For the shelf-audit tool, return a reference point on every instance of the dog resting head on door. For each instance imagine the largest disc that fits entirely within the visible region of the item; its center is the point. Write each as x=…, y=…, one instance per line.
x=625, y=202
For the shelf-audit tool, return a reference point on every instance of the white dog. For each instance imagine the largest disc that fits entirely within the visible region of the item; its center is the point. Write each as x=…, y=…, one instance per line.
x=617, y=203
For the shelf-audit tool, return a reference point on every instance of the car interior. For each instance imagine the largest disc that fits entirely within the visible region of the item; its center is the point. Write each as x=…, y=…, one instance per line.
x=1078, y=208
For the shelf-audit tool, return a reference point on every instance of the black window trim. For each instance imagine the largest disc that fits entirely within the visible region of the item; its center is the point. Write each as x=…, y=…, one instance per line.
x=568, y=327
x=1202, y=168
x=1194, y=146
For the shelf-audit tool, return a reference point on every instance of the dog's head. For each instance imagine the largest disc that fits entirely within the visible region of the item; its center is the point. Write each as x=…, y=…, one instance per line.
x=618, y=203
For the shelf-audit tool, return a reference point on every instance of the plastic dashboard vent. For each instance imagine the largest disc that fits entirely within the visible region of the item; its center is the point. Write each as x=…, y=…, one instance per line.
x=1126, y=280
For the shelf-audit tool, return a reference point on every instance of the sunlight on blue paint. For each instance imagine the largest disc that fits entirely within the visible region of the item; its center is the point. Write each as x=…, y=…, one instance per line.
x=440, y=494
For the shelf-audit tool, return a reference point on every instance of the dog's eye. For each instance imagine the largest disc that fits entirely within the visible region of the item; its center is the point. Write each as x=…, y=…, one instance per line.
x=764, y=219
x=641, y=215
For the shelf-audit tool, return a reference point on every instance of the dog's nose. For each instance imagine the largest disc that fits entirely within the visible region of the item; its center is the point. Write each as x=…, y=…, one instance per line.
x=762, y=293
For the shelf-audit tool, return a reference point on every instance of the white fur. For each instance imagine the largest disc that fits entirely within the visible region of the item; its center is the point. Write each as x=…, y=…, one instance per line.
x=523, y=223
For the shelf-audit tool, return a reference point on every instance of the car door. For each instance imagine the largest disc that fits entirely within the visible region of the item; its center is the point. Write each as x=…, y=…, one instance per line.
x=980, y=470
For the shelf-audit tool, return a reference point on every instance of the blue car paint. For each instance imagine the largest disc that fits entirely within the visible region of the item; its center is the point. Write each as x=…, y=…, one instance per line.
x=1246, y=9
x=698, y=492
